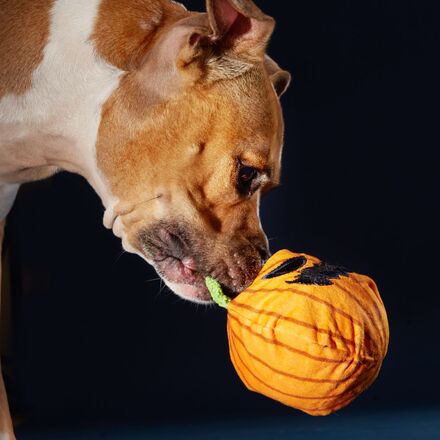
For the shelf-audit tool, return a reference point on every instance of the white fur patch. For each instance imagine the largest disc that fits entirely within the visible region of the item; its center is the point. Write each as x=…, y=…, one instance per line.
x=68, y=90
x=7, y=197
x=179, y=4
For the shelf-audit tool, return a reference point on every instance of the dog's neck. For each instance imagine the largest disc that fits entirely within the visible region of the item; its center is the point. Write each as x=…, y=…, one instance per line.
x=52, y=122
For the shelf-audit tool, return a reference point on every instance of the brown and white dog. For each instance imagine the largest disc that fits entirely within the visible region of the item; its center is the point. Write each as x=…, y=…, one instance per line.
x=172, y=116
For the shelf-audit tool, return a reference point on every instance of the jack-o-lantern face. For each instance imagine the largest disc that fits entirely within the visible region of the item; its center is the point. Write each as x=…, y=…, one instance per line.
x=308, y=334
x=316, y=272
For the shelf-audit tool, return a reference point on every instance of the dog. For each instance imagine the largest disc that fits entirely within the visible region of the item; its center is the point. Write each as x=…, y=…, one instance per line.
x=172, y=116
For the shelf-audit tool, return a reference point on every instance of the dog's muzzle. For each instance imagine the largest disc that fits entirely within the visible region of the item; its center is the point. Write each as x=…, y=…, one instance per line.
x=183, y=258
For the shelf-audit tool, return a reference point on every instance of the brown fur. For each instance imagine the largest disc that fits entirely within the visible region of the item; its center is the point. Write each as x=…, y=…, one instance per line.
x=174, y=132
x=24, y=29
x=196, y=128
x=186, y=151
x=124, y=30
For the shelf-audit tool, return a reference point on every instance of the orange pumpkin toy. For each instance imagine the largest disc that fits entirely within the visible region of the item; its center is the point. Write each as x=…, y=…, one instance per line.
x=305, y=333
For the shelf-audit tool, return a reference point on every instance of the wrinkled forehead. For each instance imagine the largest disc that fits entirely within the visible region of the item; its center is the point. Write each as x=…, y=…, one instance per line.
x=250, y=120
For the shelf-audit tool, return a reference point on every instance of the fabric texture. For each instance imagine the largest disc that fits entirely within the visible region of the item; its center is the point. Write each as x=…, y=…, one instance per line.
x=312, y=346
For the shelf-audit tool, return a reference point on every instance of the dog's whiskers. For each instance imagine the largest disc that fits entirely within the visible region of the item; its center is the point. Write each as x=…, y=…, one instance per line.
x=130, y=207
x=153, y=279
x=162, y=287
x=119, y=256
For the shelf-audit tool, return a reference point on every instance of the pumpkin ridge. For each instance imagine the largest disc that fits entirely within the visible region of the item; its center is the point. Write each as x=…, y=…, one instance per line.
x=363, y=307
x=353, y=356
x=295, y=321
x=324, y=410
x=353, y=390
x=382, y=318
x=313, y=298
x=299, y=337
x=296, y=396
x=293, y=376
x=290, y=348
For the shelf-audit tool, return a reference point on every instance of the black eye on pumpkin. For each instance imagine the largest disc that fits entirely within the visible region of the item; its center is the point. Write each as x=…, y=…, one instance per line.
x=288, y=266
x=246, y=179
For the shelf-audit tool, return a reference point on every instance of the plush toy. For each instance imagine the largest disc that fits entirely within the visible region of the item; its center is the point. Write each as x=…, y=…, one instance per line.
x=306, y=333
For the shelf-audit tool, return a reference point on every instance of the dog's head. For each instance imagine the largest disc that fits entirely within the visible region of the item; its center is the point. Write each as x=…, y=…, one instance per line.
x=190, y=141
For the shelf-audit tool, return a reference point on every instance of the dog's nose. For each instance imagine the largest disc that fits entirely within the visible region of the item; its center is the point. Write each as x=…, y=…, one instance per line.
x=243, y=266
x=264, y=252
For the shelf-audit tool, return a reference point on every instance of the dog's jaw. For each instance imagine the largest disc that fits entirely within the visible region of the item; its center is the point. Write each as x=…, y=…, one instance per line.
x=191, y=293
x=188, y=284
x=180, y=274
x=182, y=277
x=171, y=252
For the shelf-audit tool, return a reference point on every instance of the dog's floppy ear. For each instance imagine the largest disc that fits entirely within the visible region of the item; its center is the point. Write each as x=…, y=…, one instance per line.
x=240, y=26
x=280, y=78
x=223, y=43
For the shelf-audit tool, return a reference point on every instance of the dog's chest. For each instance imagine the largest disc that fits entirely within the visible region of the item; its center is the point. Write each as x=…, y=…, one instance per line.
x=59, y=114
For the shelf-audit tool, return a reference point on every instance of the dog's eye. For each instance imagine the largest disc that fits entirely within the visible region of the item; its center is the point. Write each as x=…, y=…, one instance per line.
x=247, y=174
x=246, y=179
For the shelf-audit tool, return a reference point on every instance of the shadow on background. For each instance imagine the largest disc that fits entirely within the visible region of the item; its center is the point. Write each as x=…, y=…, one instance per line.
x=420, y=424
x=96, y=339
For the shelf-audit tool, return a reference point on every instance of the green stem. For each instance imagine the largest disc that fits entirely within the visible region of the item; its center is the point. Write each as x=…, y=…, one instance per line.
x=215, y=289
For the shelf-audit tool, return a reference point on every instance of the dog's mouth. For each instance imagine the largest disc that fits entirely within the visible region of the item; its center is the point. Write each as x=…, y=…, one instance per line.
x=182, y=276
x=183, y=257
x=171, y=252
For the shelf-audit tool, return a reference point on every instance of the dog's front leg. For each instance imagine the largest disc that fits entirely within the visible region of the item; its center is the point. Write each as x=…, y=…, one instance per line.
x=6, y=432
x=5, y=418
x=7, y=196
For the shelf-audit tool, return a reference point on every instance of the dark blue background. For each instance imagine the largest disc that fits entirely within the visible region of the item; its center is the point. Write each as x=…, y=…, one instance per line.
x=95, y=340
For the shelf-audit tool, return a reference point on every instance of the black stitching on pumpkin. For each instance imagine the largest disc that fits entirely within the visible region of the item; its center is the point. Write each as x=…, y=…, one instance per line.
x=320, y=274
x=288, y=266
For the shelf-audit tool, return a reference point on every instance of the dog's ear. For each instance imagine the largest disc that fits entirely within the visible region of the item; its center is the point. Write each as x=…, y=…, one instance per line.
x=179, y=55
x=223, y=43
x=280, y=78
x=237, y=28
x=240, y=26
